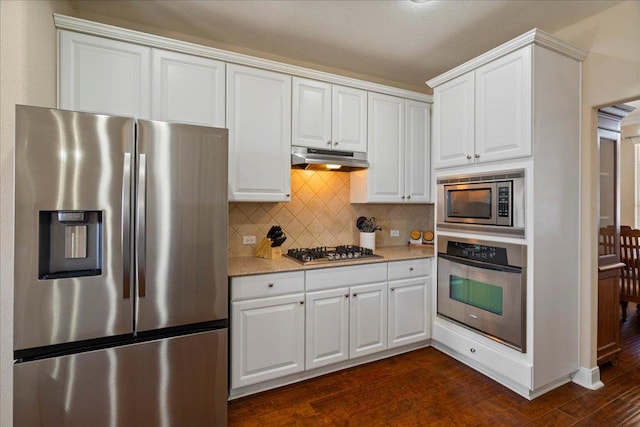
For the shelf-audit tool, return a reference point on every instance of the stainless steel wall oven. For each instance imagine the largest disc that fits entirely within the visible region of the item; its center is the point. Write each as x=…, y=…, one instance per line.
x=482, y=286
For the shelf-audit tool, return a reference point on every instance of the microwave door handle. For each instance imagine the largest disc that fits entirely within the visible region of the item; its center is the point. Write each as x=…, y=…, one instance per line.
x=141, y=228
x=481, y=264
x=126, y=227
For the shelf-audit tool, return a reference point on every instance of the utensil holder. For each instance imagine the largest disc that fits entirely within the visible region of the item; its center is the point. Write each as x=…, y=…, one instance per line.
x=368, y=240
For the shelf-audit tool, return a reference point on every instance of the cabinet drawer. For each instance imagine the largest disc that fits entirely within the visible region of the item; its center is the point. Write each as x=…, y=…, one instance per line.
x=409, y=268
x=265, y=285
x=485, y=358
x=335, y=277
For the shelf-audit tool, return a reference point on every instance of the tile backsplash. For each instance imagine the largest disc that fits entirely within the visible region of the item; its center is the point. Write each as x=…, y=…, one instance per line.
x=320, y=214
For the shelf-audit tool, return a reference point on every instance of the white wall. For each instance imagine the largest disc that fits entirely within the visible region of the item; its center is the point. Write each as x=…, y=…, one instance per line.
x=27, y=76
x=627, y=175
x=611, y=74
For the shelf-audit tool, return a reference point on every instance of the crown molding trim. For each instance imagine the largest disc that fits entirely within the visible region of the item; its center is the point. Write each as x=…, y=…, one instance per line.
x=63, y=22
x=535, y=36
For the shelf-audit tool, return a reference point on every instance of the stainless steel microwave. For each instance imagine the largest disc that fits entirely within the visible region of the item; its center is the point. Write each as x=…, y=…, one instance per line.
x=491, y=203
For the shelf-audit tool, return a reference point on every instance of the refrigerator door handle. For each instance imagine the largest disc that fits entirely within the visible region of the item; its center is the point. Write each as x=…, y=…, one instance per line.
x=141, y=231
x=126, y=227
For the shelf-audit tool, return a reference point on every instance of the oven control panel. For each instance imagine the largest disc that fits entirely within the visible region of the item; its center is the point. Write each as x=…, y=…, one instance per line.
x=474, y=251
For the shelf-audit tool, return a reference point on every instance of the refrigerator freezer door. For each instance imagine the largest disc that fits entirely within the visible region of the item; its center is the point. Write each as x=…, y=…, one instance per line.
x=180, y=381
x=72, y=211
x=181, y=229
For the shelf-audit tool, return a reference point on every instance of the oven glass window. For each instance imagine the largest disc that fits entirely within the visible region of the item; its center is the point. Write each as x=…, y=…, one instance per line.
x=478, y=294
x=472, y=203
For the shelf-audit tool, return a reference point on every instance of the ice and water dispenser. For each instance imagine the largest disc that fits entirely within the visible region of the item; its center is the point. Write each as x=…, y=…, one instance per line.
x=70, y=244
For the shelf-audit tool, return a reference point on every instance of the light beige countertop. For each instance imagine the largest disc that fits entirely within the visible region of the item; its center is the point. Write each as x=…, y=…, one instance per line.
x=245, y=266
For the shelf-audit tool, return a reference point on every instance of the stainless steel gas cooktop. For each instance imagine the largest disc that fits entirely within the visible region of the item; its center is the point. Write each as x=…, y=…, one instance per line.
x=324, y=254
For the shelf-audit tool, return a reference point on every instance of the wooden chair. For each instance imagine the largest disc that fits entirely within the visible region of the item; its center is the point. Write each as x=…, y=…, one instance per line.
x=607, y=242
x=630, y=276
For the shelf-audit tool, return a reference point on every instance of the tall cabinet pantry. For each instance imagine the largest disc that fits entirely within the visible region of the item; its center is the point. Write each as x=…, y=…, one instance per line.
x=517, y=107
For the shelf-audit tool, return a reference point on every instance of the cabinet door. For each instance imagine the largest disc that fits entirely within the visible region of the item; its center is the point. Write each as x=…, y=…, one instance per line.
x=259, y=122
x=453, y=122
x=267, y=339
x=327, y=327
x=417, y=181
x=386, y=153
x=503, y=107
x=349, y=119
x=311, y=123
x=103, y=76
x=367, y=319
x=409, y=311
x=187, y=88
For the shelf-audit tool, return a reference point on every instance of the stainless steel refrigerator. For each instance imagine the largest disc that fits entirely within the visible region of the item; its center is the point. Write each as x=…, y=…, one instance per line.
x=121, y=295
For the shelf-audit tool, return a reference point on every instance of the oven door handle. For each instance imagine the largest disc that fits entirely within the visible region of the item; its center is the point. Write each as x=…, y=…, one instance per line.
x=480, y=264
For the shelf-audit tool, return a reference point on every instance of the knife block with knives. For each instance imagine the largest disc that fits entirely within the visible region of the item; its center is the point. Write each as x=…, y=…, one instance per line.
x=270, y=246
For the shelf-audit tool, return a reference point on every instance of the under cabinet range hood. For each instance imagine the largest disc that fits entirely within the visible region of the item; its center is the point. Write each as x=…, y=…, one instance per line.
x=319, y=159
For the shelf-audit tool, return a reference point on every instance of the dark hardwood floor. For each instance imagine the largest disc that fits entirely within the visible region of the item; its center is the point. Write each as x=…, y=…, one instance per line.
x=427, y=387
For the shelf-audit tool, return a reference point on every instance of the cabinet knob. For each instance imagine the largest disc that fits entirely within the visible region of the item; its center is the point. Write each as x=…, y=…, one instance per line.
x=336, y=143
x=472, y=350
x=393, y=289
x=468, y=156
x=328, y=142
x=346, y=295
x=477, y=156
x=355, y=295
x=408, y=197
x=402, y=197
x=301, y=302
x=270, y=285
x=410, y=268
x=287, y=195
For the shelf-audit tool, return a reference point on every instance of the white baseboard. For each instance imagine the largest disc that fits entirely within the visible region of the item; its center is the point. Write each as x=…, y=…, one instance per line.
x=588, y=378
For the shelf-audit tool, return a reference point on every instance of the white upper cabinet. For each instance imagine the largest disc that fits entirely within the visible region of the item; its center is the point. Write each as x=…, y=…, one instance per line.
x=311, y=124
x=503, y=107
x=417, y=177
x=329, y=116
x=349, y=119
x=453, y=122
x=187, y=88
x=485, y=114
x=259, y=123
x=399, y=153
x=103, y=76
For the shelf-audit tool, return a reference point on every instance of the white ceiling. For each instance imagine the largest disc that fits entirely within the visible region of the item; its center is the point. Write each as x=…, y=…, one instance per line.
x=396, y=41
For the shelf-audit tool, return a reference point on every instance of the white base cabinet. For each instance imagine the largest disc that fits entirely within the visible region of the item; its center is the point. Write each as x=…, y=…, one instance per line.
x=267, y=330
x=327, y=328
x=323, y=320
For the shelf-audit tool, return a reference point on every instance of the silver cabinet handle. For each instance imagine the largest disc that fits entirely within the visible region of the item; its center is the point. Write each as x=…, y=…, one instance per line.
x=270, y=285
x=126, y=227
x=473, y=316
x=468, y=156
x=477, y=156
x=141, y=227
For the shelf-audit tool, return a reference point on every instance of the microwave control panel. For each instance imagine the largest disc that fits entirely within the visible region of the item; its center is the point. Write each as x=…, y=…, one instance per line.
x=504, y=205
